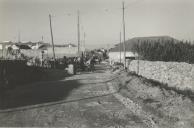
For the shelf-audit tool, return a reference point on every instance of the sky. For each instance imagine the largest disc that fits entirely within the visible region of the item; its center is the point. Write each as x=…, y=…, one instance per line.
x=101, y=20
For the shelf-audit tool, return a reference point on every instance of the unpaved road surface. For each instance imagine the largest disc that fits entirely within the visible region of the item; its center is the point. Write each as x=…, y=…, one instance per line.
x=100, y=99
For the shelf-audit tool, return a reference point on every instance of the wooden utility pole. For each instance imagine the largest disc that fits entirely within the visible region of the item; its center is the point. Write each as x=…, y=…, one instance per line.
x=120, y=47
x=52, y=40
x=78, y=32
x=138, y=57
x=3, y=47
x=84, y=40
x=124, y=35
x=19, y=37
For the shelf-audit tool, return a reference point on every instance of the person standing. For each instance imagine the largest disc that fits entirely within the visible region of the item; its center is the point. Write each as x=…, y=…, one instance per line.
x=92, y=62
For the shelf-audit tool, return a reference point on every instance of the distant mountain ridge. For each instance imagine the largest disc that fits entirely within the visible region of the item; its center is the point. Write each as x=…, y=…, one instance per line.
x=129, y=43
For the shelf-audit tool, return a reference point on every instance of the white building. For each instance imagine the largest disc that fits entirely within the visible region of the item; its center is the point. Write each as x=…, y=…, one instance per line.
x=115, y=56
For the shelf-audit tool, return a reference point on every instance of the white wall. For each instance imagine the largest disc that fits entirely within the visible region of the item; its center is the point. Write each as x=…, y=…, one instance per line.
x=115, y=56
x=64, y=51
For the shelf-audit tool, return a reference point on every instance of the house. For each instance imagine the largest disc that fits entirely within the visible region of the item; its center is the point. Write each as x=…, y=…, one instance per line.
x=14, y=47
x=36, y=45
x=70, y=45
x=68, y=50
x=5, y=44
x=22, y=46
x=114, y=54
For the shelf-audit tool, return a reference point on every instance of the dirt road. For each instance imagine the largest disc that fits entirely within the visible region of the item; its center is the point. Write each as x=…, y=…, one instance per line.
x=100, y=99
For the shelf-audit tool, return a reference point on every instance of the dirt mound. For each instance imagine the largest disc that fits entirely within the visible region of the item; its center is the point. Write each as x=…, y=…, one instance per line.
x=168, y=108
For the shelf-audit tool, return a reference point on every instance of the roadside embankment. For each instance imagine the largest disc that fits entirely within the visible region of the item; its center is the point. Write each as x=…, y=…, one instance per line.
x=160, y=107
x=179, y=76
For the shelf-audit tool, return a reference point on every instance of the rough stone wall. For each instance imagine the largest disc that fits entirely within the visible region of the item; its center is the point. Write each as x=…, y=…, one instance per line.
x=174, y=74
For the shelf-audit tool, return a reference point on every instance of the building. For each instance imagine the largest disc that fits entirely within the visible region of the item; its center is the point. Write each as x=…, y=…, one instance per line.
x=68, y=50
x=114, y=54
x=114, y=57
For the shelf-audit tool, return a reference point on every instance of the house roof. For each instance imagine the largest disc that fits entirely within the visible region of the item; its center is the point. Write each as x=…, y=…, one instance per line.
x=66, y=45
x=23, y=46
x=43, y=46
x=6, y=42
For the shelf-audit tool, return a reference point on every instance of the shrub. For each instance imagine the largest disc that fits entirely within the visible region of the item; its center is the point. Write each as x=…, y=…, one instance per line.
x=169, y=50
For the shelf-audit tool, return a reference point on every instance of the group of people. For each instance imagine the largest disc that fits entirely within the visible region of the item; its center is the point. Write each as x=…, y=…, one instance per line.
x=82, y=63
x=90, y=64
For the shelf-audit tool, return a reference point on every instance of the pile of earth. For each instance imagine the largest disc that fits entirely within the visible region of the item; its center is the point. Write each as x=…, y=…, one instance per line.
x=168, y=108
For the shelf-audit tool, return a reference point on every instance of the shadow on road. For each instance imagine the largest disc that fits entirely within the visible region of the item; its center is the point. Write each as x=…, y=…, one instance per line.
x=98, y=69
x=38, y=94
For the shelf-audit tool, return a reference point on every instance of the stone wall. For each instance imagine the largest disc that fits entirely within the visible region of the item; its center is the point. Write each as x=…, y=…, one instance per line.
x=176, y=75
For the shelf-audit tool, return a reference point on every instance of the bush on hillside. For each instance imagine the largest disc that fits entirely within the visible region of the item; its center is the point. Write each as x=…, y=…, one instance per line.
x=165, y=51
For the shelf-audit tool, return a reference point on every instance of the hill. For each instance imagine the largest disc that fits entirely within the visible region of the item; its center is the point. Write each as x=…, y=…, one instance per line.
x=130, y=43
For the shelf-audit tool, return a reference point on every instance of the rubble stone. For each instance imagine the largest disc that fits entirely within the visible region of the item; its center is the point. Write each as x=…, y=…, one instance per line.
x=174, y=74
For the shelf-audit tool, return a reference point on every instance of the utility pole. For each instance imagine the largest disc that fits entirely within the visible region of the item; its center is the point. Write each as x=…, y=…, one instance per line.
x=120, y=47
x=138, y=57
x=124, y=35
x=19, y=40
x=108, y=45
x=84, y=40
x=78, y=32
x=52, y=40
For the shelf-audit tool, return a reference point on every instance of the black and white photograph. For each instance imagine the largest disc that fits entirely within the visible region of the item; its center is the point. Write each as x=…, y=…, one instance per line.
x=97, y=63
